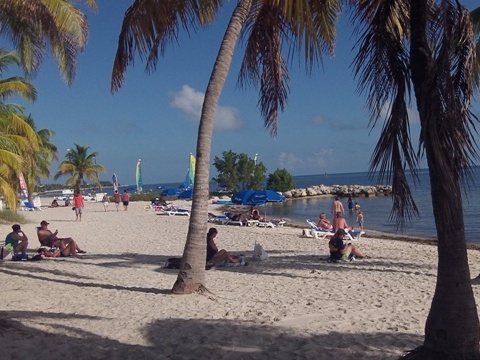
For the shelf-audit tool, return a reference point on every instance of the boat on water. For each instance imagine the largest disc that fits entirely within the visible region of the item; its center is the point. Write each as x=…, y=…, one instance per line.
x=67, y=192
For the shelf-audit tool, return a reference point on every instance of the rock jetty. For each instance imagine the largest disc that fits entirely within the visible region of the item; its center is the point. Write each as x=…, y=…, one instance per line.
x=340, y=190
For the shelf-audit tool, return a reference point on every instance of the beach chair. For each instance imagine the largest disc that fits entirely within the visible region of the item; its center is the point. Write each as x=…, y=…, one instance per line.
x=172, y=210
x=28, y=206
x=319, y=233
x=217, y=219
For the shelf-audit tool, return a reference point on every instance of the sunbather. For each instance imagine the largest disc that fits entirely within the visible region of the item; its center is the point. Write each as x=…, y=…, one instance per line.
x=68, y=246
x=324, y=223
x=339, y=251
x=215, y=256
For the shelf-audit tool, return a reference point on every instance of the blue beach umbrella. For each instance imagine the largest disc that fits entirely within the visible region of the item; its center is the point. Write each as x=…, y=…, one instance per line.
x=256, y=197
x=187, y=194
x=170, y=192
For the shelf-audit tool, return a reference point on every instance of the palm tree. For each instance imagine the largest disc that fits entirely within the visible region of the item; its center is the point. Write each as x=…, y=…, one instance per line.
x=36, y=163
x=427, y=47
x=80, y=164
x=305, y=25
x=16, y=135
x=36, y=25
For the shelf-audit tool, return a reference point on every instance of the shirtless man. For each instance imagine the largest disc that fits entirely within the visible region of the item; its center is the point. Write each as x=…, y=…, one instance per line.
x=337, y=206
x=68, y=246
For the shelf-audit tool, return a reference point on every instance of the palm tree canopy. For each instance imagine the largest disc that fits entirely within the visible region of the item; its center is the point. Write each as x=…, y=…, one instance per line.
x=149, y=26
x=383, y=66
x=33, y=25
x=80, y=164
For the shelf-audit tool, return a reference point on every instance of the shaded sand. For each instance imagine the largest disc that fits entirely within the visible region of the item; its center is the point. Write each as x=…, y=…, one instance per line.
x=115, y=303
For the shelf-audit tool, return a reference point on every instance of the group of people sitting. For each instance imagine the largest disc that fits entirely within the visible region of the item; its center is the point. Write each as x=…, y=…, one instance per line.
x=51, y=245
x=339, y=249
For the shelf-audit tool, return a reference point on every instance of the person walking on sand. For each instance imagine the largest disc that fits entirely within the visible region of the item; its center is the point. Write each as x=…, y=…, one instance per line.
x=105, y=201
x=125, y=199
x=78, y=204
x=337, y=206
x=116, y=199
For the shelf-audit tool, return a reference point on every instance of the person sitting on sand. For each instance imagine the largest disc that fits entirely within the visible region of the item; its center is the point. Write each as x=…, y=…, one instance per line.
x=54, y=203
x=17, y=239
x=68, y=246
x=339, y=251
x=324, y=223
x=215, y=256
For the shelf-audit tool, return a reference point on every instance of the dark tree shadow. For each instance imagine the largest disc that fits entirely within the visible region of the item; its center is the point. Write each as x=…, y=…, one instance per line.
x=180, y=339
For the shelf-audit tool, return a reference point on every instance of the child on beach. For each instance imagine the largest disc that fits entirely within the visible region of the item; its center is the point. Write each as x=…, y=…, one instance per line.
x=360, y=219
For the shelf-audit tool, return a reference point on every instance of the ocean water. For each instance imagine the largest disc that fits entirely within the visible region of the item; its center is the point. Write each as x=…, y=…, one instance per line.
x=376, y=210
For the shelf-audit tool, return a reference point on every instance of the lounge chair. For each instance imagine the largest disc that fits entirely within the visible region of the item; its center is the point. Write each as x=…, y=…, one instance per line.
x=28, y=206
x=217, y=219
x=172, y=210
x=319, y=233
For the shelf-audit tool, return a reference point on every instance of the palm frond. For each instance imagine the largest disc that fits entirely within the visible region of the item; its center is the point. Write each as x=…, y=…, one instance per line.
x=149, y=26
x=382, y=66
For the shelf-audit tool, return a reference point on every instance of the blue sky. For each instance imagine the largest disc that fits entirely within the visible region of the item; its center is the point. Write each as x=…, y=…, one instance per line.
x=155, y=117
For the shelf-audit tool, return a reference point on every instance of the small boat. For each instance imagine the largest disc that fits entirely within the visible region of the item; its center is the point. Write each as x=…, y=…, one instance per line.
x=67, y=192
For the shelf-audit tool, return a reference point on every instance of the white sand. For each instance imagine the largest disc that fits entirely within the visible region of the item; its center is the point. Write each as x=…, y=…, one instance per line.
x=116, y=302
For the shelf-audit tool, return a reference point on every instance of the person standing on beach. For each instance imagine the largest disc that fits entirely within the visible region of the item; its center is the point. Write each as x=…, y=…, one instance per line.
x=337, y=206
x=350, y=204
x=360, y=219
x=125, y=199
x=78, y=204
x=105, y=201
x=116, y=199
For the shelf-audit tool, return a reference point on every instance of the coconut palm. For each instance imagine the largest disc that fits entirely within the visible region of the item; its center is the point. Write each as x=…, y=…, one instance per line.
x=34, y=26
x=426, y=47
x=305, y=25
x=79, y=164
x=16, y=135
x=36, y=163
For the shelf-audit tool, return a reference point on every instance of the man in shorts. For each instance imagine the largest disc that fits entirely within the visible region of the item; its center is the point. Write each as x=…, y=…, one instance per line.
x=78, y=204
x=125, y=199
x=116, y=199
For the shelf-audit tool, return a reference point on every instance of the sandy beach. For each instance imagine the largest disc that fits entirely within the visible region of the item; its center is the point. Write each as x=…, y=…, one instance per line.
x=115, y=302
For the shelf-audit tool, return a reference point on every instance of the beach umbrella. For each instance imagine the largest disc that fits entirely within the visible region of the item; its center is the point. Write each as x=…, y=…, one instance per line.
x=187, y=194
x=170, y=192
x=256, y=197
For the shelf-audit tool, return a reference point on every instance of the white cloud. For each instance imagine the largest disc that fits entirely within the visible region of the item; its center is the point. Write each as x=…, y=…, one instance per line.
x=314, y=163
x=190, y=102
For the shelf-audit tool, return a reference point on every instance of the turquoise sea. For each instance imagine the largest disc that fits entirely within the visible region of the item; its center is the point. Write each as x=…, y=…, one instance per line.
x=376, y=210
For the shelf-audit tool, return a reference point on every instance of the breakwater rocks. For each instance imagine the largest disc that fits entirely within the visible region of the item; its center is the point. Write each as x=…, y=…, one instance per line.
x=340, y=190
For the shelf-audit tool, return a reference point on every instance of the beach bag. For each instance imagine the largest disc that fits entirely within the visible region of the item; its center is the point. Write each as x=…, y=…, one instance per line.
x=259, y=252
x=20, y=257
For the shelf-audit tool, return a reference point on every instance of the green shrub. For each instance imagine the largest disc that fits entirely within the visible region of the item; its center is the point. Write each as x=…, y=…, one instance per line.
x=10, y=217
x=280, y=180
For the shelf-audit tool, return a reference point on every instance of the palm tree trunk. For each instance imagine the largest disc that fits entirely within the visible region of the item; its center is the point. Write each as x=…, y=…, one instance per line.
x=191, y=276
x=452, y=326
